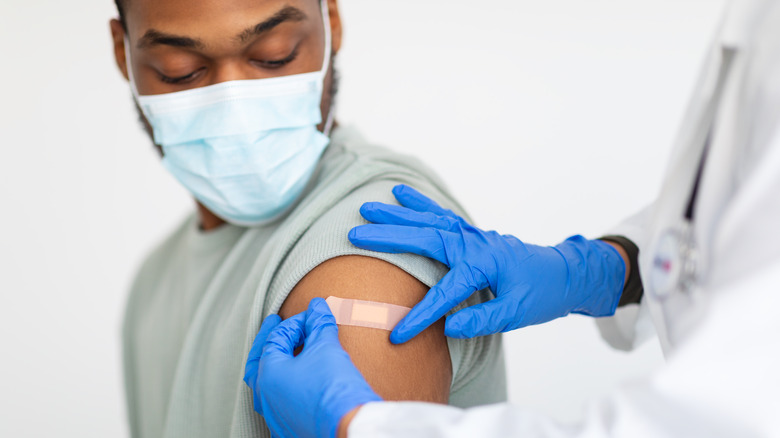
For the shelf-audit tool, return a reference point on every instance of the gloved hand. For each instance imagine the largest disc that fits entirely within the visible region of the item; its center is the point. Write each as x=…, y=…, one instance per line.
x=532, y=284
x=305, y=395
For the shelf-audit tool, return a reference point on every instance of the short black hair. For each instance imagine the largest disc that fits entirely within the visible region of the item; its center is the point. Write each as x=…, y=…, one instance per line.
x=120, y=7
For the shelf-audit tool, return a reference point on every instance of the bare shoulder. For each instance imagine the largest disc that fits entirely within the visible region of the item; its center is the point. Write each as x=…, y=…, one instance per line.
x=418, y=370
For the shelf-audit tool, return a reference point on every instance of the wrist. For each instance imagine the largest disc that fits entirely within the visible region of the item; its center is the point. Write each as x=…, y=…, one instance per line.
x=597, y=273
x=623, y=257
x=346, y=420
x=345, y=406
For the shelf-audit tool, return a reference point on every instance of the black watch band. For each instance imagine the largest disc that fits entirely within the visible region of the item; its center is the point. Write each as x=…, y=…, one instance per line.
x=632, y=290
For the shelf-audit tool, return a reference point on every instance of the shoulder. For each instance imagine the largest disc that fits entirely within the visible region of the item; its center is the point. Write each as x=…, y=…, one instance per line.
x=353, y=172
x=323, y=236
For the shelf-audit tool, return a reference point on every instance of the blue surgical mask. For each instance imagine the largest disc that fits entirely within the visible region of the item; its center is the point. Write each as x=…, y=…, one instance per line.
x=245, y=149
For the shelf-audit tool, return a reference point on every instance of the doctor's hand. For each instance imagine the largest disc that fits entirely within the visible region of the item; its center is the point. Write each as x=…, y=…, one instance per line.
x=532, y=284
x=305, y=395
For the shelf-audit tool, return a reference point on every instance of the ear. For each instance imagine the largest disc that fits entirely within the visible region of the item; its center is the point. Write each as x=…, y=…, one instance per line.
x=118, y=37
x=335, y=25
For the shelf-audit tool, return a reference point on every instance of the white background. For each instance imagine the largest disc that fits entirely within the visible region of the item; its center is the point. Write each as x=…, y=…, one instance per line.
x=546, y=118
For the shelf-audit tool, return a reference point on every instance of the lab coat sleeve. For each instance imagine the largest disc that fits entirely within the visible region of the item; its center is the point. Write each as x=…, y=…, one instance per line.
x=631, y=325
x=721, y=382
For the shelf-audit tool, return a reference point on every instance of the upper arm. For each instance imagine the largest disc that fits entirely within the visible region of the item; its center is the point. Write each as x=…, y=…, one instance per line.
x=417, y=370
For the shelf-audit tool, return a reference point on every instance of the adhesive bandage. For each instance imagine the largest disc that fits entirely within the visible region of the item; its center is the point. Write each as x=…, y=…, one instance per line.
x=366, y=313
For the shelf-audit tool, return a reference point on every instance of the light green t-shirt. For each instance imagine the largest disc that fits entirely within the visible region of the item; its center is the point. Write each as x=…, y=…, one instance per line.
x=200, y=297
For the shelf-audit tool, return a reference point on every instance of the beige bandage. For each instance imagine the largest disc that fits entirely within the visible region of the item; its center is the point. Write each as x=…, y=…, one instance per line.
x=370, y=314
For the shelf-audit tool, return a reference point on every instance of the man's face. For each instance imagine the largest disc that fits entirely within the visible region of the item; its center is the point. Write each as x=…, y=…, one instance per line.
x=177, y=45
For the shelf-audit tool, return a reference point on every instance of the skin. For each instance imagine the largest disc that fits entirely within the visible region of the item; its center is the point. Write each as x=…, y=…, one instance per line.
x=206, y=42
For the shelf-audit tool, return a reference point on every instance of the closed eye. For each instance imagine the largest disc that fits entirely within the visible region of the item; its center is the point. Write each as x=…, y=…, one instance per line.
x=278, y=63
x=180, y=79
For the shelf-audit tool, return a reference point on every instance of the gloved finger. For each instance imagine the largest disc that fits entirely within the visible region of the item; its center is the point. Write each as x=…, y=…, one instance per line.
x=495, y=316
x=320, y=324
x=428, y=242
x=286, y=337
x=387, y=214
x=411, y=198
x=453, y=289
x=250, y=370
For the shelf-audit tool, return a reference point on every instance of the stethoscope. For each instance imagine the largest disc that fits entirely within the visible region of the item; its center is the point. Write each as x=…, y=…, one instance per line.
x=675, y=263
x=676, y=253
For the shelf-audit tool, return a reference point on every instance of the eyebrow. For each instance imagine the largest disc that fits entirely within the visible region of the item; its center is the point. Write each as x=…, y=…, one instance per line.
x=288, y=13
x=154, y=37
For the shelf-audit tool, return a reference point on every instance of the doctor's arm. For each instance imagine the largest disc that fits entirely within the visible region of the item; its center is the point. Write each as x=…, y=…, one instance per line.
x=722, y=382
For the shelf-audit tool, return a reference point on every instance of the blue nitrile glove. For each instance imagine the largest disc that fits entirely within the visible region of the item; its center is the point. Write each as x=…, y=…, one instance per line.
x=308, y=394
x=532, y=284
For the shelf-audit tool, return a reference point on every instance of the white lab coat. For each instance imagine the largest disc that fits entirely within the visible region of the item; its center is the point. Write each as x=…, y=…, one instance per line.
x=721, y=335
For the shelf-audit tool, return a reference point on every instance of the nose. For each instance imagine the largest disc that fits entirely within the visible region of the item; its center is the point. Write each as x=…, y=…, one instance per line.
x=236, y=70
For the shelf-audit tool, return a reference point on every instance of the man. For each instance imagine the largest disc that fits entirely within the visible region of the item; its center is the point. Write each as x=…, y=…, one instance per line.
x=237, y=95
x=707, y=277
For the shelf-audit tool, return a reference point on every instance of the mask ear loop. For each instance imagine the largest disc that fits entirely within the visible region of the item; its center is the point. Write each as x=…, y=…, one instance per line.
x=329, y=121
x=129, y=66
x=326, y=23
x=328, y=127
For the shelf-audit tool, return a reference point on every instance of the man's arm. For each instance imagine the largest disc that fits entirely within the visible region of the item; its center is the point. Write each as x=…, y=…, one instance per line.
x=417, y=370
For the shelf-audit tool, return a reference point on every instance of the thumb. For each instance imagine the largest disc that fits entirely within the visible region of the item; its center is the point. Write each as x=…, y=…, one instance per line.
x=285, y=338
x=320, y=323
x=455, y=287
